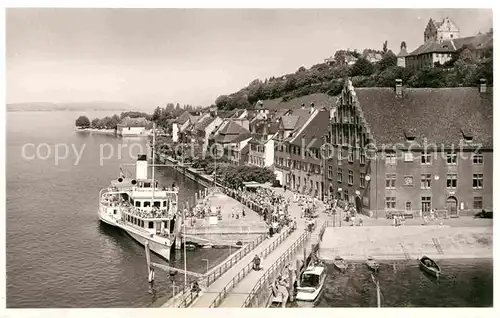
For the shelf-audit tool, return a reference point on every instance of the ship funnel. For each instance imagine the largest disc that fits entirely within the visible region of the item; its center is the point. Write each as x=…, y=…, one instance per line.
x=141, y=168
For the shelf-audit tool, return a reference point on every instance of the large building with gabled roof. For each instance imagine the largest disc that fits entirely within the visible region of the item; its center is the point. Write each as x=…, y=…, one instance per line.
x=441, y=40
x=413, y=150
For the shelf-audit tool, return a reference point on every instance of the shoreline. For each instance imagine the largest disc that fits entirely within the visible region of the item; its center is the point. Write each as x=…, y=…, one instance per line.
x=96, y=131
x=383, y=259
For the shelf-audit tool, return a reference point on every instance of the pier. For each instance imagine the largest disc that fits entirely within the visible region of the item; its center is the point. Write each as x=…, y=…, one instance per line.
x=234, y=283
x=241, y=286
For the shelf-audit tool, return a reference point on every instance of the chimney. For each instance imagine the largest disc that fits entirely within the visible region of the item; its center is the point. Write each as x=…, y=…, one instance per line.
x=311, y=109
x=482, y=85
x=399, y=87
x=141, y=168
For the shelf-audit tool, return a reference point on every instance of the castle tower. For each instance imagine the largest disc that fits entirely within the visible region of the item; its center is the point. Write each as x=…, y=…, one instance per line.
x=438, y=31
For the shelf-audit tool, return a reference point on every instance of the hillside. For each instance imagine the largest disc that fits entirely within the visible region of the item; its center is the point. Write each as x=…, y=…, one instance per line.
x=463, y=70
x=80, y=106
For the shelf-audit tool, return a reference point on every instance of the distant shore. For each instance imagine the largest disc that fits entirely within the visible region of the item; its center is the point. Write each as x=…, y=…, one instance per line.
x=96, y=131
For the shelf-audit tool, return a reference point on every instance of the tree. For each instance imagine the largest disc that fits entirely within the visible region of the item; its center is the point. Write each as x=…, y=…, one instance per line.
x=388, y=60
x=157, y=114
x=114, y=121
x=222, y=101
x=340, y=57
x=82, y=122
x=384, y=47
x=95, y=123
x=362, y=67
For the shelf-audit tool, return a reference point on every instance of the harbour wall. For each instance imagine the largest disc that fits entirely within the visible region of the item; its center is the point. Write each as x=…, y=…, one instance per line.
x=406, y=242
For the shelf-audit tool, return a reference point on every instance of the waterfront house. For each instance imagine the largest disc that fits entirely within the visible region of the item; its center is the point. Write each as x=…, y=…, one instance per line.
x=412, y=149
x=261, y=146
x=301, y=133
x=204, y=128
x=232, y=136
x=179, y=125
x=133, y=127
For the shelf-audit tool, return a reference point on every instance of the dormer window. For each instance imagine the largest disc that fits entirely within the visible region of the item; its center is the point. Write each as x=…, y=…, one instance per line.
x=467, y=136
x=410, y=136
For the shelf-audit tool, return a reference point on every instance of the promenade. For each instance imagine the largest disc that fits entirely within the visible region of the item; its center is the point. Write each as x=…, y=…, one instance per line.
x=408, y=242
x=236, y=296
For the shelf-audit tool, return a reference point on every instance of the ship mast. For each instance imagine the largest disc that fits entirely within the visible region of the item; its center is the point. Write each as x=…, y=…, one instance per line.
x=153, y=161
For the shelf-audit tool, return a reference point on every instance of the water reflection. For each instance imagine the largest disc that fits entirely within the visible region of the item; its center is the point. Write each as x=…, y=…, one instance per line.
x=464, y=283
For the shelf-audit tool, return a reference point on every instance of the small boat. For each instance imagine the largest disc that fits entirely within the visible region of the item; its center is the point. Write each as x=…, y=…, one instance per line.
x=190, y=247
x=279, y=295
x=340, y=263
x=429, y=266
x=372, y=264
x=311, y=282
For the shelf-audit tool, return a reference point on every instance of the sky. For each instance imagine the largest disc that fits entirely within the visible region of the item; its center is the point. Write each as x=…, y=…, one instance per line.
x=149, y=57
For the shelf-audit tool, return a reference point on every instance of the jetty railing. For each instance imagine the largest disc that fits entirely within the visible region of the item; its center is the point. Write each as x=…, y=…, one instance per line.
x=257, y=295
x=249, y=267
x=218, y=271
x=224, y=267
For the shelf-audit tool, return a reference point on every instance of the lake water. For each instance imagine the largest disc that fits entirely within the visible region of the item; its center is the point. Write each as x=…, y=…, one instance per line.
x=58, y=253
x=464, y=283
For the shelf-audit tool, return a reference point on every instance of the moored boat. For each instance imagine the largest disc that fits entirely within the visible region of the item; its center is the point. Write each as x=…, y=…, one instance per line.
x=311, y=283
x=372, y=264
x=141, y=208
x=340, y=263
x=429, y=266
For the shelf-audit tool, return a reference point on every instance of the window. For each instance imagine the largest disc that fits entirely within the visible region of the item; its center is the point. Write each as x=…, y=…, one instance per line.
x=150, y=225
x=390, y=181
x=425, y=181
x=390, y=158
x=362, y=180
x=451, y=181
x=362, y=157
x=477, y=158
x=147, y=204
x=346, y=195
x=339, y=155
x=157, y=204
x=330, y=172
x=478, y=203
x=350, y=156
x=350, y=177
x=477, y=181
x=339, y=174
x=138, y=204
x=408, y=206
x=426, y=204
x=425, y=158
x=390, y=202
x=408, y=181
x=164, y=203
x=408, y=156
x=451, y=158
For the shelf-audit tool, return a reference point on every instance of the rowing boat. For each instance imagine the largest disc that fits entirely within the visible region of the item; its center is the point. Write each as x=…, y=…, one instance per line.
x=430, y=266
